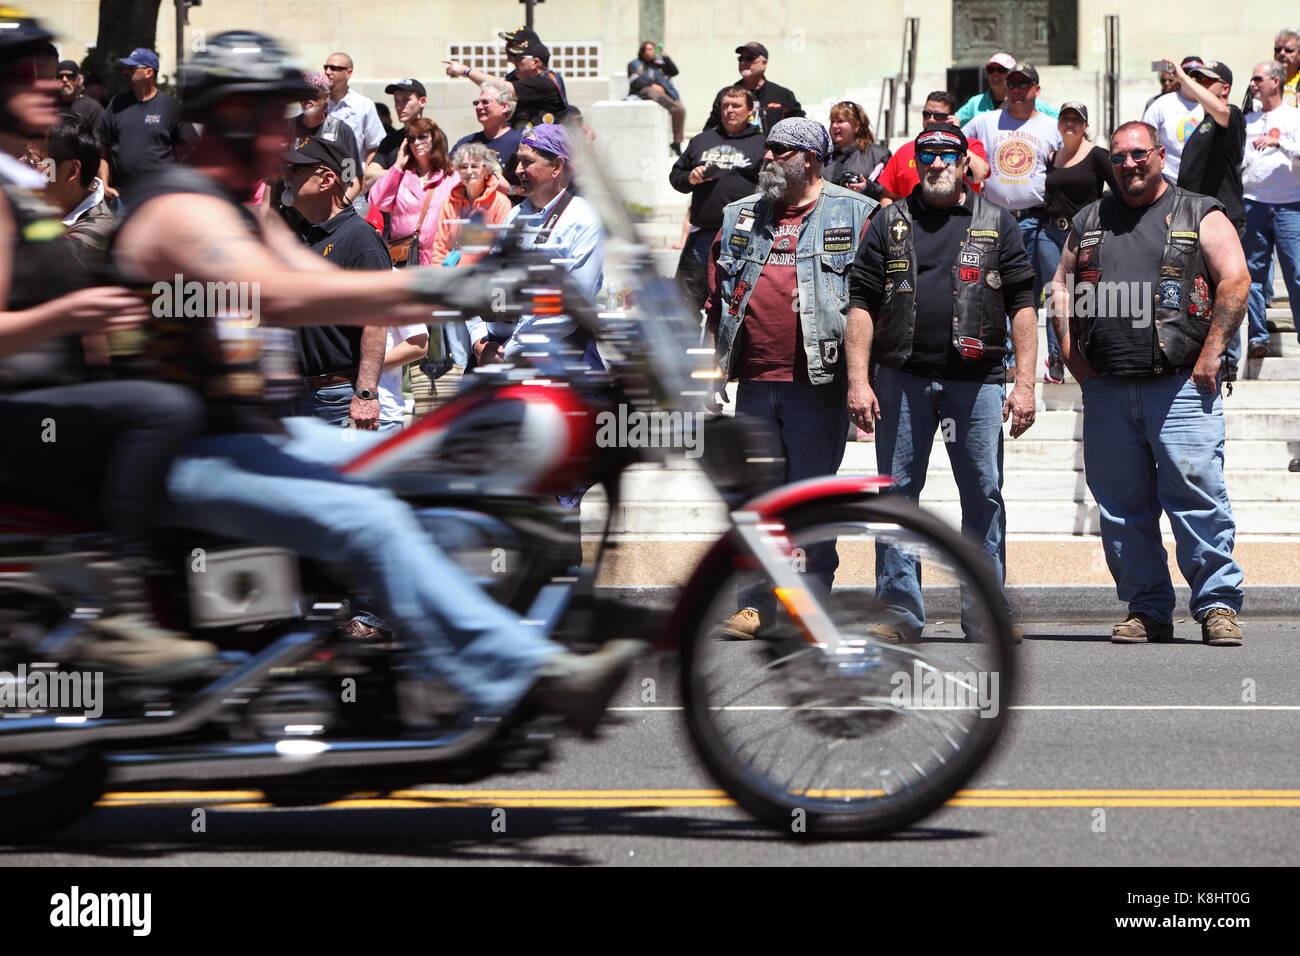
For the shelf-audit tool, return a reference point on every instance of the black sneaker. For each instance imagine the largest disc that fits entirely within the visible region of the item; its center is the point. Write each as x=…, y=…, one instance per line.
x=1055, y=374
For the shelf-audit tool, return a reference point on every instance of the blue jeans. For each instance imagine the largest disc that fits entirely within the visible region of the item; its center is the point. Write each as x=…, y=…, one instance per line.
x=1269, y=226
x=333, y=403
x=969, y=417
x=280, y=491
x=1151, y=444
x=812, y=423
x=1043, y=242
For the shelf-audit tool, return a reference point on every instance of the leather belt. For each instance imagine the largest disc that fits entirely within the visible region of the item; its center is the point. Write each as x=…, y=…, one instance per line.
x=325, y=381
x=1036, y=212
x=1062, y=223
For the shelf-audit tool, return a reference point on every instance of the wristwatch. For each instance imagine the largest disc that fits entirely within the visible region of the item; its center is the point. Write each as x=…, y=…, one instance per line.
x=365, y=394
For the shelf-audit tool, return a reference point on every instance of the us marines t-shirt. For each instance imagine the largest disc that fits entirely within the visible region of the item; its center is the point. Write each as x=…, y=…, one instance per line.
x=1018, y=151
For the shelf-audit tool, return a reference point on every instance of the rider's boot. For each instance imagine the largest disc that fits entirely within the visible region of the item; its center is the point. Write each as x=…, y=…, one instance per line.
x=127, y=641
x=578, y=687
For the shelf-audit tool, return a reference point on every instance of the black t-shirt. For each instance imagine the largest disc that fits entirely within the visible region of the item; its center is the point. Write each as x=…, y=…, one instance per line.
x=539, y=97
x=505, y=146
x=1211, y=163
x=87, y=110
x=1070, y=188
x=736, y=161
x=772, y=103
x=388, y=148
x=937, y=236
x=349, y=242
x=1129, y=259
x=142, y=136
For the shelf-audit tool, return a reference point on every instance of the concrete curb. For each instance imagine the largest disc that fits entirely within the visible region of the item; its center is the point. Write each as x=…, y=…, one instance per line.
x=1040, y=603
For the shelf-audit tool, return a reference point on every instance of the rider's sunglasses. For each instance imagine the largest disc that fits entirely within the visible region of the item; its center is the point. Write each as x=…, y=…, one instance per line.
x=934, y=114
x=1138, y=155
x=927, y=159
x=66, y=75
x=779, y=150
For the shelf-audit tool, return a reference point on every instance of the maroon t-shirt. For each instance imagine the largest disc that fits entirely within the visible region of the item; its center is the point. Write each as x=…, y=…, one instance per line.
x=771, y=346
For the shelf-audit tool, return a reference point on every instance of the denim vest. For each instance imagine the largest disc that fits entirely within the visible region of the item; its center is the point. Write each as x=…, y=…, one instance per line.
x=978, y=312
x=1185, y=300
x=827, y=244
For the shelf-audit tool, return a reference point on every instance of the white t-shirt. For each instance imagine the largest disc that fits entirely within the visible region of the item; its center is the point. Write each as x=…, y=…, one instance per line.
x=1270, y=175
x=1175, y=119
x=1018, y=151
x=391, y=406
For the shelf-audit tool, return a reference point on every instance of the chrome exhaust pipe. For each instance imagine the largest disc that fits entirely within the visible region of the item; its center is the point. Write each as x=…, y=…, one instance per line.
x=280, y=758
x=21, y=734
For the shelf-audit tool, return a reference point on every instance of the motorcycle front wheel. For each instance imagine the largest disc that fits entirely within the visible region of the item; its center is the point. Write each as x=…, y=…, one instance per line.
x=877, y=735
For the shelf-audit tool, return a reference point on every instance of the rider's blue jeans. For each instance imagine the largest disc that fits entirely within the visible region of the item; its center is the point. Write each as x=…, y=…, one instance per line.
x=279, y=491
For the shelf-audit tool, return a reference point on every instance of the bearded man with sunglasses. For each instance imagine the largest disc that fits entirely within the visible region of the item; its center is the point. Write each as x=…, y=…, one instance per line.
x=934, y=276
x=1148, y=362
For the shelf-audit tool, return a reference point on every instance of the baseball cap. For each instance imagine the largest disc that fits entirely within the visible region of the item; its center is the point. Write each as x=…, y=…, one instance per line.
x=407, y=84
x=1215, y=70
x=66, y=65
x=550, y=137
x=141, y=56
x=1076, y=106
x=1190, y=61
x=754, y=47
x=525, y=42
x=944, y=137
x=1004, y=60
x=313, y=151
x=1025, y=70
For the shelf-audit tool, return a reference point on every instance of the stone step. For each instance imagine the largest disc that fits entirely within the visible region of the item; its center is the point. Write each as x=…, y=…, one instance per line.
x=1059, y=485
x=1030, y=517
x=1033, y=560
x=1242, y=424
x=1272, y=369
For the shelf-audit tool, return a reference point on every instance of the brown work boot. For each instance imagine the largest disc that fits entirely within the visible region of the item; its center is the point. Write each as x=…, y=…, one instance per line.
x=128, y=641
x=1141, y=628
x=578, y=687
x=1219, y=628
x=741, y=626
x=885, y=632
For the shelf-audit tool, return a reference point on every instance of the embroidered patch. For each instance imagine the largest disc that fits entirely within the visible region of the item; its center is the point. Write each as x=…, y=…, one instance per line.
x=737, y=240
x=1089, y=275
x=1090, y=238
x=830, y=351
x=970, y=347
x=904, y=286
x=994, y=279
x=896, y=251
x=1200, y=303
x=984, y=233
x=899, y=230
x=1183, y=235
x=1171, y=272
x=153, y=119
x=737, y=296
x=837, y=240
x=889, y=289
x=1171, y=293
x=967, y=274
x=897, y=265
x=970, y=258
x=745, y=222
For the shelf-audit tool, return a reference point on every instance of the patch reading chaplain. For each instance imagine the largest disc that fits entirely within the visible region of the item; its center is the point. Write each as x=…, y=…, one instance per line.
x=837, y=240
x=830, y=351
x=737, y=240
x=970, y=347
x=899, y=230
x=970, y=258
x=897, y=265
x=984, y=233
x=1090, y=238
x=994, y=279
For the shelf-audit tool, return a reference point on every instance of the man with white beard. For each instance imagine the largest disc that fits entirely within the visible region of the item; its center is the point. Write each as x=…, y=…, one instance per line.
x=779, y=289
x=933, y=278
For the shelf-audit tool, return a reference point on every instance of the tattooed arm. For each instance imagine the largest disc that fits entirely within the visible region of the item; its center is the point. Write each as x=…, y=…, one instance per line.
x=1227, y=267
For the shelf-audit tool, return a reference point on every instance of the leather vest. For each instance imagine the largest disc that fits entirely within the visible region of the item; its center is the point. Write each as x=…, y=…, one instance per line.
x=1183, y=299
x=978, y=312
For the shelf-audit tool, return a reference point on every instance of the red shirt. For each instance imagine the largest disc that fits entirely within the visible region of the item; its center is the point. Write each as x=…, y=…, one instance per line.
x=900, y=176
x=771, y=346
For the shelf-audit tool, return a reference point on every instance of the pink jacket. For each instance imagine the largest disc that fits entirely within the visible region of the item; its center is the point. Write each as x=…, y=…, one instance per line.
x=398, y=193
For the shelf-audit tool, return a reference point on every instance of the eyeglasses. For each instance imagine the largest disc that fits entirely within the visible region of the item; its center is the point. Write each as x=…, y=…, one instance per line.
x=1018, y=84
x=423, y=137
x=1139, y=156
x=779, y=150
x=65, y=75
x=1284, y=49
x=995, y=69
x=927, y=159
x=471, y=165
x=332, y=68
x=1257, y=79
x=482, y=102
x=935, y=114
x=746, y=57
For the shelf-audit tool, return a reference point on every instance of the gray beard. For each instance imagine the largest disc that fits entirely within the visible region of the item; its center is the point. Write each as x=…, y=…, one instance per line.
x=776, y=181
x=941, y=193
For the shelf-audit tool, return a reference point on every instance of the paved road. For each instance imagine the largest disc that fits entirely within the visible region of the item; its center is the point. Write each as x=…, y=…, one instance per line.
x=1149, y=756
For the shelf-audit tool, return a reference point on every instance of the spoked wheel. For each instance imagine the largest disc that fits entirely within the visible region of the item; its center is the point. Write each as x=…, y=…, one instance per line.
x=877, y=735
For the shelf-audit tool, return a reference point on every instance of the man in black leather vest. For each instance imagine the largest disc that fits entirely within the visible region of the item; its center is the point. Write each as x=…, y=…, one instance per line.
x=1154, y=284
x=935, y=276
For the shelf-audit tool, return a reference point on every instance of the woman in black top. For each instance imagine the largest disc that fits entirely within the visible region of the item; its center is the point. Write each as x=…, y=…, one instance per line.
x=1077, y=173
x=857, y=159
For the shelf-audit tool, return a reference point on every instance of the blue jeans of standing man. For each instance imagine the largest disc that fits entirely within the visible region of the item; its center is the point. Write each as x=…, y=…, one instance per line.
x=812, y=422
x=1152, y=444
x=333, y=404
x=1269, y=226
x=280, y=491
x=969, y=418
x=1043, y=242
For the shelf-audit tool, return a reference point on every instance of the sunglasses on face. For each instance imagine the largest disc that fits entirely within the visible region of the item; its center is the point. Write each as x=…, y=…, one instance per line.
x=422, y=138
x=1018, y=84
x=747, y=58
x=331, y=69
x=1257, y=79
x=65, y=75
x=1138, y=155
x=927, y=159
x=779, y=150
x=994, y=69
x=482, y=103
x=1284, y=49
x=935, y=114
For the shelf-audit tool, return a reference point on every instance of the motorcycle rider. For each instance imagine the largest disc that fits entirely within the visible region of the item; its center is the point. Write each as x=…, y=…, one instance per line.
x=98, y=449
x=246, y=478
